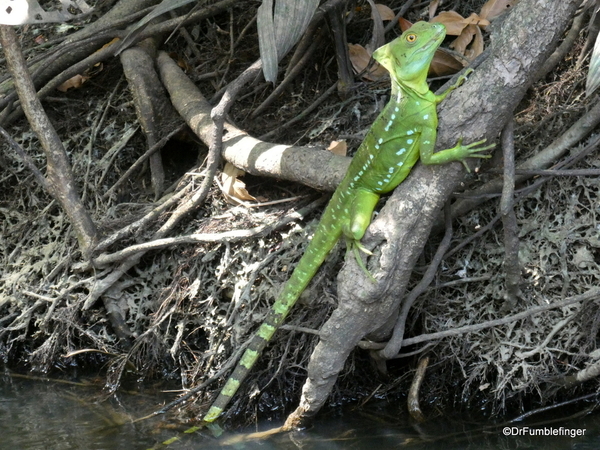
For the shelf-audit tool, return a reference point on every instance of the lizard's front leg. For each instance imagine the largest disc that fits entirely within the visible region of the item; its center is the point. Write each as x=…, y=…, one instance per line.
x=461, y=79
x=459, y=152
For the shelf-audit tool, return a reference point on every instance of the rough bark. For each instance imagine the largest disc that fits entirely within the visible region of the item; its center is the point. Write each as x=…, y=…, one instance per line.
x=479, y=109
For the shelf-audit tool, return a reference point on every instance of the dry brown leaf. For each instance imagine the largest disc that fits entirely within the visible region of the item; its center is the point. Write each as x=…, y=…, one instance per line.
x=404, y=24
x=493, y=8
x=73, y=83
x=475, y=19
x=240, y=192
x=453, y=21
x=444, y=64
x=232, y=186
x=385, y=12
x=183, y=65
x=461, y=42
x=433, y=6
x=476, y=47
x=229, y=175
x=471, y=36
x=360, y=57
x=338, y=148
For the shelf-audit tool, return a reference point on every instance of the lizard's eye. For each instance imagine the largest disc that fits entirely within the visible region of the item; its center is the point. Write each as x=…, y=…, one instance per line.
x=411, y=37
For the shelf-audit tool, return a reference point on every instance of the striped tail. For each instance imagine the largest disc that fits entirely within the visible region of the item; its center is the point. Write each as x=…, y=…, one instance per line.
x=324, y=239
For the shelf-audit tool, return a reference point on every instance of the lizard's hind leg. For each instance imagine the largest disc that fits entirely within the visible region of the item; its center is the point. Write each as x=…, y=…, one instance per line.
x=359, y=218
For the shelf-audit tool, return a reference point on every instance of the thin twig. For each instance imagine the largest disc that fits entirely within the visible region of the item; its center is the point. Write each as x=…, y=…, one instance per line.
x=291, y=76
x=142, y=223
x=228, y=236
x=591, y=294
x=303, y=114
x=555, y=172
x=28, y=160
x=156, y=147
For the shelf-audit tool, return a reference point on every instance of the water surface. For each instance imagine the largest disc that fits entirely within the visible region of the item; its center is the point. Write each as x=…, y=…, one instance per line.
x=51, y=415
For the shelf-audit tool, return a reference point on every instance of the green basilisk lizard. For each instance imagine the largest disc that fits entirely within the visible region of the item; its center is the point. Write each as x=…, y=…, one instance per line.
x=403, y=133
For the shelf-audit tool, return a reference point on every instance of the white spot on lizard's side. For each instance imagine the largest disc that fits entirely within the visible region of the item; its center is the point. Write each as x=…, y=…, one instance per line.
x=401, y=151
x=380, y=140
x=400, y=164
x=409, y=141
x=409, y=132
x=426, y=116
x=391, y=170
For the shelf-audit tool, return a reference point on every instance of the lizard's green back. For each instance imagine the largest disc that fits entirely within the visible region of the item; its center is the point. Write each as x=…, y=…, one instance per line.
x=404, y=131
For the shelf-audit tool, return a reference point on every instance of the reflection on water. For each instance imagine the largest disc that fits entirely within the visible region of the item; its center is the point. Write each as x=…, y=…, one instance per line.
x=39, y=415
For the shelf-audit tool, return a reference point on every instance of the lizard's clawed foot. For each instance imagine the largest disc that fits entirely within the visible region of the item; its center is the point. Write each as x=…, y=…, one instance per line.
x=356, y=248
x=473, y=150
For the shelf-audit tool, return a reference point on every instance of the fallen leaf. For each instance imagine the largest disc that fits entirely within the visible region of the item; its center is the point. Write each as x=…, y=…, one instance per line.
x=74, y=82
x=338, y=148
x=493, y=8
x=453, y=21
x=475, y=19
x=385, y=12
x=183, y=65
x=444, y=63
x=466, y=36
x=469, y=43
x=360, y=58
x=476, y=47
x=232, y=186
x=404, y=24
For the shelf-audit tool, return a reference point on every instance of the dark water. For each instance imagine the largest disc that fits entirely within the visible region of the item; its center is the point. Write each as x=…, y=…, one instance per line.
x=49, y=415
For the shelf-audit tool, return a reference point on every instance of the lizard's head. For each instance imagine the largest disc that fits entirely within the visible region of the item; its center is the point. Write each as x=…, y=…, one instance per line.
x=407, y=57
